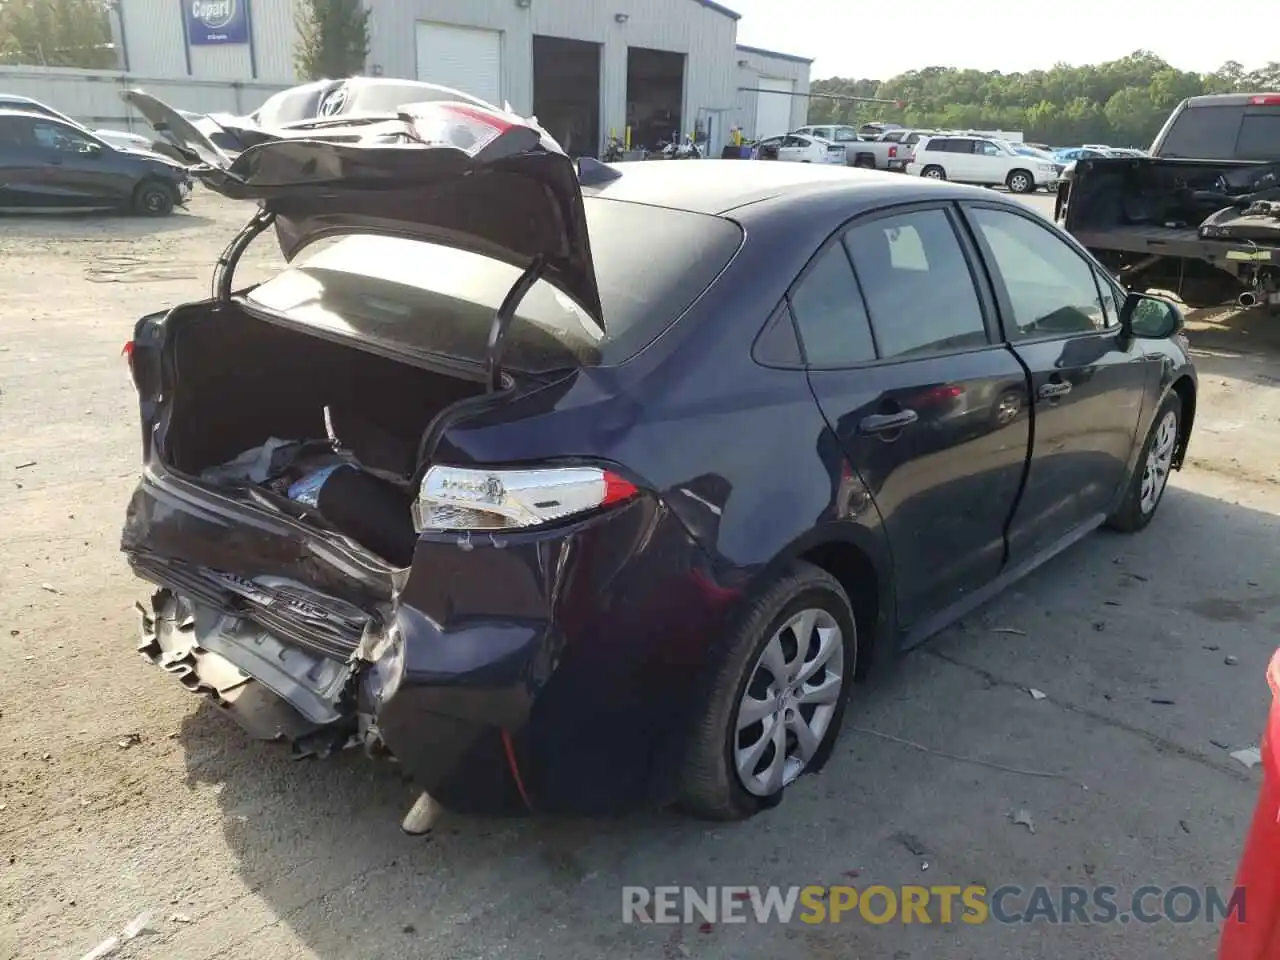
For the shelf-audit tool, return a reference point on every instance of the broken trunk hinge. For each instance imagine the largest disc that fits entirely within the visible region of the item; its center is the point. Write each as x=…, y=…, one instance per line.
x=224, y=271
x=503, y=317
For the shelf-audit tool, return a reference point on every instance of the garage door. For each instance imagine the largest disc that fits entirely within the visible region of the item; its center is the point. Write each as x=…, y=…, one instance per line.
x=464, y=58
x=773, y=110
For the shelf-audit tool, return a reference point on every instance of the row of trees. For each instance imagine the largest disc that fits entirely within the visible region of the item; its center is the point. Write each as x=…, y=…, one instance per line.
x=1122, y=102
x=333, y=35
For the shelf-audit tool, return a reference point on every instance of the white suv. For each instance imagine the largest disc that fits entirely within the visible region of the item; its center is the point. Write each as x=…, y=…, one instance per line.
x=981, y=160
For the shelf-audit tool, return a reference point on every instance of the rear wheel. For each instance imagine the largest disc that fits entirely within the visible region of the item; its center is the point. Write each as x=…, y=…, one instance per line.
x=1020, y=181
x=1151, y=477
x=153, y=199
x=776, y=699
x=934, y=173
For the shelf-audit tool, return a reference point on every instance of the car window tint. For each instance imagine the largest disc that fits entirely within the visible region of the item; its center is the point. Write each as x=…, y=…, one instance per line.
x=13, y=132
x=937, y=144
x=1259, y=136
x=54, y=136
x=829, y=312
x=1207, y=133
x=1051, y=287
x=918, y=288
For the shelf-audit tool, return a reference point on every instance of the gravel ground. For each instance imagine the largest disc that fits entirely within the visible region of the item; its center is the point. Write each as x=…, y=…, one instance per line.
x=121, y=793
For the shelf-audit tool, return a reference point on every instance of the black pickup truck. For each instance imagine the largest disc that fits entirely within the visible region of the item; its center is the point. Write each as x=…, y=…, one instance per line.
x=1200, y=215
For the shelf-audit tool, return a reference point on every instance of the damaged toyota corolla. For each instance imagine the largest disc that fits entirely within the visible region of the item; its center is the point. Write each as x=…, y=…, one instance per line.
x=527, y=481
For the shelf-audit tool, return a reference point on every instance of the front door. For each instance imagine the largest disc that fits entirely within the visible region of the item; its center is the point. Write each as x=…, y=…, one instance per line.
x=927, y=405
x=72, y=169
x=1086, y=382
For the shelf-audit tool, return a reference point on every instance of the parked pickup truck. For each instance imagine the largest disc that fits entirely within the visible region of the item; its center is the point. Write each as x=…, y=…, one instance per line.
x=890, y=151
x=1200, y=215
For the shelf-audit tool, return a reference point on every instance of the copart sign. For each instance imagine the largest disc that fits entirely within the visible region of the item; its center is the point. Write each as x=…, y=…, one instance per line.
x=211, y=22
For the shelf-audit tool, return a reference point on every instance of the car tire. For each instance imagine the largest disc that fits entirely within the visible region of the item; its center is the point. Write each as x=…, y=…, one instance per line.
x=712, y=786
x=1020, y=181
x=934, y=172
x=866, y=161
x=153, y=199
x=1155, y=463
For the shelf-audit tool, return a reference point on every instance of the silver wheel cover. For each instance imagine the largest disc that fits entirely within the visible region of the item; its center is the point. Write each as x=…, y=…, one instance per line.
x=789, y=702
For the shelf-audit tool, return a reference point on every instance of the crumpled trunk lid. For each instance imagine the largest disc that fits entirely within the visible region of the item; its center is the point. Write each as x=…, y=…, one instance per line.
x=450, y=172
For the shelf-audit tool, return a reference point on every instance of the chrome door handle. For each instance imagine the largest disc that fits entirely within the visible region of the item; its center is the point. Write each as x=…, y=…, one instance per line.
x=1051, y=391
x=886, y=422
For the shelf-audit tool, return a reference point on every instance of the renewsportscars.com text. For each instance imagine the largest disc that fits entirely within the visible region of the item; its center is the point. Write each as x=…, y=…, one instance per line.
x=972, y=904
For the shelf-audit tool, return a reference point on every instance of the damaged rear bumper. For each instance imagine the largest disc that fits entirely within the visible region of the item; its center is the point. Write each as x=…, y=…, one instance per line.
x=236, y=618
x=552, y=670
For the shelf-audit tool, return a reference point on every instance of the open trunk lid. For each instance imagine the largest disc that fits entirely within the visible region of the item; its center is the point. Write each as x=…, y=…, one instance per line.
x=454, y=172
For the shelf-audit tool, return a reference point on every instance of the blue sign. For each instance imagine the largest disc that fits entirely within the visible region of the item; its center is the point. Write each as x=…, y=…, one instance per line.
x=214, y=22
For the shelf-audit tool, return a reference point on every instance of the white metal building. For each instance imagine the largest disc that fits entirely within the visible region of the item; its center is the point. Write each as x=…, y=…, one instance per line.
x=586, y=68
x=770, y=88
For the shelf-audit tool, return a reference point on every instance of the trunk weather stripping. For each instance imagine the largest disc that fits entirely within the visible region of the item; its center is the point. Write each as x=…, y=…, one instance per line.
x=225, y=269
x=502, y=321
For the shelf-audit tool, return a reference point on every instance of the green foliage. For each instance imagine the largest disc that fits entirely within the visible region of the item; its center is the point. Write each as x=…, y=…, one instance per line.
x=1121, y=103
x=333, y=39
x=56, y=33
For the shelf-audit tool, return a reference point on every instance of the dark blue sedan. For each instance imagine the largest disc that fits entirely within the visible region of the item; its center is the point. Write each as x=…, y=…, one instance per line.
x=575, y=489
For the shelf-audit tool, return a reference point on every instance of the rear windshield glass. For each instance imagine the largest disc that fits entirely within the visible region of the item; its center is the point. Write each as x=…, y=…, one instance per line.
x=1227, y=132
x=651, y=264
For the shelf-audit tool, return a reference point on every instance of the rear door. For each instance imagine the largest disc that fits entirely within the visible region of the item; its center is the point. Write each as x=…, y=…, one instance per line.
x=1087, y=385
x=903, y=357
x=18, y=163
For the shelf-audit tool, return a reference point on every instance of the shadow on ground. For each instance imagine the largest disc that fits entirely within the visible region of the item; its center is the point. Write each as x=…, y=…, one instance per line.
x=73, y=226
x=1126, y=635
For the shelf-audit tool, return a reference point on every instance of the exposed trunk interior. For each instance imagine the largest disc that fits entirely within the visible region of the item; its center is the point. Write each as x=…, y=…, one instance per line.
x=241, y=382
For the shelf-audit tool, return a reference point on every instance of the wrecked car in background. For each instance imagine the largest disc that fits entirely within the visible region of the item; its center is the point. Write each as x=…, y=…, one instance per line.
x=340, y=109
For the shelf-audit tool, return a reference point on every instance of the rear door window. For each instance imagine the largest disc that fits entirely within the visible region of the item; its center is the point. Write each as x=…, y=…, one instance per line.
x=918, y=288
x=829, y=312
x=938, y=145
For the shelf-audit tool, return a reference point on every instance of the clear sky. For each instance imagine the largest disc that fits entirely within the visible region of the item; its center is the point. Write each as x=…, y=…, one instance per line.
x=854, y=38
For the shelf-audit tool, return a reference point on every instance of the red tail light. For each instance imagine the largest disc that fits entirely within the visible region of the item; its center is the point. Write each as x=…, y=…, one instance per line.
x=1265, y=100
x=893, y=151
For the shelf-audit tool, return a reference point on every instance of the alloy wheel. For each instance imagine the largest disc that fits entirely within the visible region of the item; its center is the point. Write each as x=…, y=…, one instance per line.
x=789, y=702
x=1155, y=472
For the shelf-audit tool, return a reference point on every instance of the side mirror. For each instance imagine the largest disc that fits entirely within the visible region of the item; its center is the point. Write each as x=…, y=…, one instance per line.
x=1152, y=318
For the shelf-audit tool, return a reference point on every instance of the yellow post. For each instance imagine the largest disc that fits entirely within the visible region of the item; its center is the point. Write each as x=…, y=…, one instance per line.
x=628, y=139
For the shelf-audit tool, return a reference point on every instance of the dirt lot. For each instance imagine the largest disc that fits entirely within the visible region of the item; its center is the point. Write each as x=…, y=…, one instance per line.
x=121, y=793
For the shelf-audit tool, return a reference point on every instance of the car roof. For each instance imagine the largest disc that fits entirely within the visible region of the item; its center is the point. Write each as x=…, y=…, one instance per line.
x=1226, y=99
x=719, y=186
x=28, y=114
